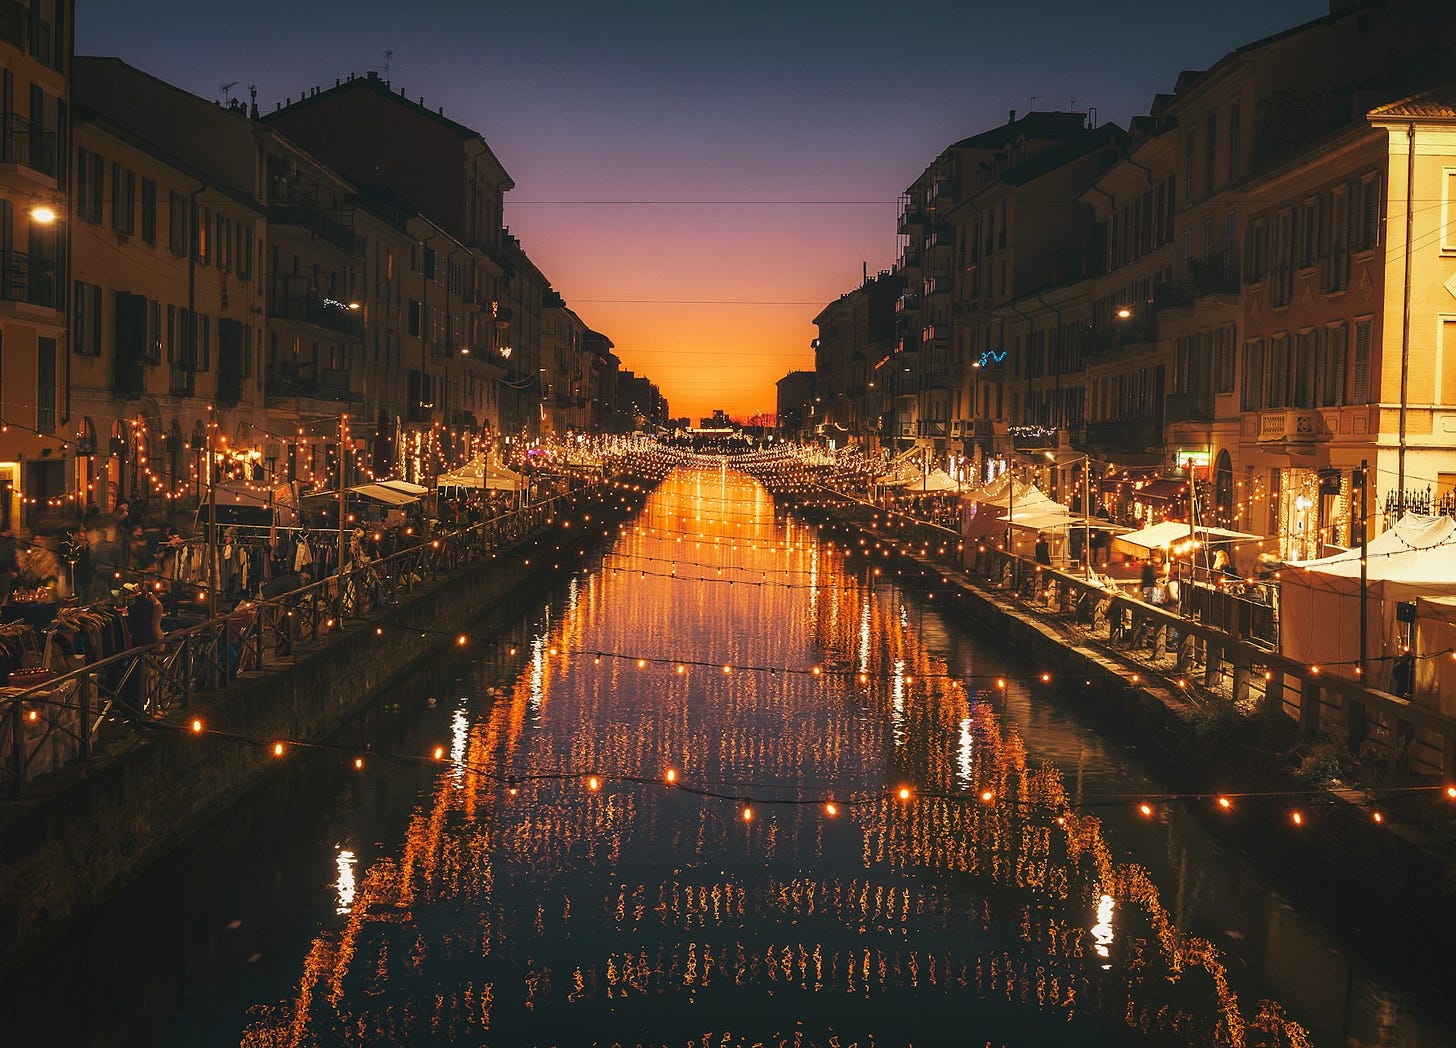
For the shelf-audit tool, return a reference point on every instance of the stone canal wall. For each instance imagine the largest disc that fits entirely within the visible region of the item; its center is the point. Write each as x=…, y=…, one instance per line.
x=1360, y=873
x=88, y=829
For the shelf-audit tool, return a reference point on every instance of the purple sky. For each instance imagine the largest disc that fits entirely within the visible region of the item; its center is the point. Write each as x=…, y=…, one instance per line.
x=699, y=184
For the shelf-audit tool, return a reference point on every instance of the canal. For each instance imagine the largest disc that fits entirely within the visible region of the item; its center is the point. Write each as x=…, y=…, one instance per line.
x=715, y=787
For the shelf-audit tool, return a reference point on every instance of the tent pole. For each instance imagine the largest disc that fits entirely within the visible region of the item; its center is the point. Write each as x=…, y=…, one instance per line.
x=1364, y=580
x=343, y=546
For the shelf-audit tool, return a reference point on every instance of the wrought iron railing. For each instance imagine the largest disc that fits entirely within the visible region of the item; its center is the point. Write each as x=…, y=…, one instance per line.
x=73, y=714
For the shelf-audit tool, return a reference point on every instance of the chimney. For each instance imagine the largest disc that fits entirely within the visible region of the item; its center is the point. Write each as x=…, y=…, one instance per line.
x=1011, y=117
x=372, y=75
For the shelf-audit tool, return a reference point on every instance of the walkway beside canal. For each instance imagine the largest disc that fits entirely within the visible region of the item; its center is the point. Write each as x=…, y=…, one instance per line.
x=1219, y=716
x=119, y=790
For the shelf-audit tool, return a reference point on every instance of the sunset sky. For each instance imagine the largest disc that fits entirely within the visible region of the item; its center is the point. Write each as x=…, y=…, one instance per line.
x=699, y=183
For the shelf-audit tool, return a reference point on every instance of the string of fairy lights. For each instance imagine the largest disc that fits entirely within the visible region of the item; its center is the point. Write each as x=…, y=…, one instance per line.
x=749, y=794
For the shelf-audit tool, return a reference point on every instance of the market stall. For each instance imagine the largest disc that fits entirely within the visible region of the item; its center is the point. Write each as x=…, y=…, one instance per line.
x=1320, y=600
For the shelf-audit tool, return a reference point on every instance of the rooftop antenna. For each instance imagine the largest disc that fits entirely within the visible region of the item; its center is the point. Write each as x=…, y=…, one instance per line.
x=227, y=93
x=387, y=56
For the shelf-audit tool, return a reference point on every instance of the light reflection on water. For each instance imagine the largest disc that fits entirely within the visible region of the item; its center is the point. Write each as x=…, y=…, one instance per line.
x=546, y=911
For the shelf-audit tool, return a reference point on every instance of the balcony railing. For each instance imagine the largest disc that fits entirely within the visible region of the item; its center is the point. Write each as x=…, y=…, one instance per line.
x=1125, y=434
x=910, y=259
x=13, y=14
x=910, y=219
x=333, y=227
x=25, y=278
x=1190, y=407
x=1216, y=275
x=22, y=142
x=321, y=312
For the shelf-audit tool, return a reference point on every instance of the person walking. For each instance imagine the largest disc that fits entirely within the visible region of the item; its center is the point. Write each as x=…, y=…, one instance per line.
x=1149, y=580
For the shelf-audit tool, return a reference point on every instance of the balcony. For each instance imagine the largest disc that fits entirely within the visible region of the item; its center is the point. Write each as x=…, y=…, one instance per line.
x=1177, y=294
x=336, y=227
x=944, y=191
x=910, y=220
x=1190, y=407
x=25, y=278
x=26, y=145
x=321, y=312
x=910, y=258
x=1216, y=275
x=1125, y=434
x=1137, y=330
x=12, y=22
x=1292, y=426
x=301, y=380
x=942, y=235
x=939, y=283
x=1033, y=438
x=907, y=303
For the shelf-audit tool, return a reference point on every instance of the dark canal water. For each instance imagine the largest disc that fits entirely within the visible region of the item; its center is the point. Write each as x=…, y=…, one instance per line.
x=545, y=884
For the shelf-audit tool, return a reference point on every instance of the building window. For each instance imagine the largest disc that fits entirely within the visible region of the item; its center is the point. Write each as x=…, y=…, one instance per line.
x=203, y=224
x=86, y=338
x=154, y=332
x=1370, y=202
x=1223, y=360
x=1308, y=233
x=1448, y=210
x=1304, y=364
x=1360, y=376
x=1278, y=372
x=1337, y=255
x=1252, y=397
x=1334, y=350
x=202, y=338
x=177, y=224
x=1256, y=252
x=123, y=199
x=1210, y=154
x=1190, y=142
x=1233, y=142
x=45, y=384
x=149, y=212
x=90, y=185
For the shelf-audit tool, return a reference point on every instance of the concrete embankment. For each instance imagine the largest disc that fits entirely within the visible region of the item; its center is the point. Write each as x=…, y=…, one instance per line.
x=1378, y=879
x=86, y=830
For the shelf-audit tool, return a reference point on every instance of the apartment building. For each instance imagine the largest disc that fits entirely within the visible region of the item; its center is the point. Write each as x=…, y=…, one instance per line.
x=36, y=430
x=852, y=361
x=167, y=318
x=954, y=265
x=602, y=383
x=378, y=138
x=564, y=380
x=1232, y=306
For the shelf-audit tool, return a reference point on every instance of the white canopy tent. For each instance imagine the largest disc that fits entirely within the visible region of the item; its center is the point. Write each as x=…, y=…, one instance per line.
x=478, y=474
x=380, y=493
x=1435, y=673
x=1173, y=532
x=405, y=487
x=1320, y=599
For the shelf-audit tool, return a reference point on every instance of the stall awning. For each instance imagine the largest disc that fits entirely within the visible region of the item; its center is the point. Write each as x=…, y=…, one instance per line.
x=404, y=487
x=1171, y=532
x=380, y=493
x=1162, y=491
